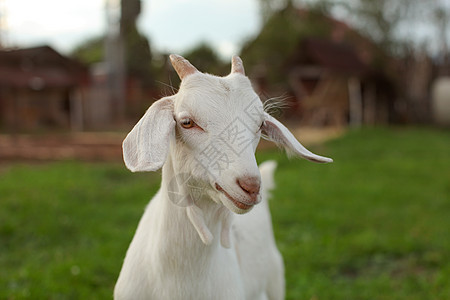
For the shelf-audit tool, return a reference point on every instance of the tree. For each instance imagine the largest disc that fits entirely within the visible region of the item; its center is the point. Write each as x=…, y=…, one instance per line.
x=138, y=55
x=380, y=19
x=392, y=24
x=442, y=21
x=206, y=59
x=279, y=37
x=91, y=51
x=269, y=7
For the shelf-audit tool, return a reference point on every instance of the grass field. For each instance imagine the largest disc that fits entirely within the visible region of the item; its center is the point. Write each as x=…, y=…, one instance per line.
x=373, y=225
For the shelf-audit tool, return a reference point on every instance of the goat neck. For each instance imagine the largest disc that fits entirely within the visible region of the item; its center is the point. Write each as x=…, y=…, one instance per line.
x=208, y=217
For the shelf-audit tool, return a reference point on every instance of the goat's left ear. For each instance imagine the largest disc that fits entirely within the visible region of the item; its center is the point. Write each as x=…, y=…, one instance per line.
x=146, y=146
x=278, y=133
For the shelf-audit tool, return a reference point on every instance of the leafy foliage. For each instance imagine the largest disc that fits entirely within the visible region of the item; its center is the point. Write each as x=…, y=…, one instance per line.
x=91, y=51
x=280, y=36
x=205, y=59
x=138, y=56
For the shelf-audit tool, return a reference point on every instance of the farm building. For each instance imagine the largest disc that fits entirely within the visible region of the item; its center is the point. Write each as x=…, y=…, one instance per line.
x=334, y=76
x=332, y=85
x=41, y=88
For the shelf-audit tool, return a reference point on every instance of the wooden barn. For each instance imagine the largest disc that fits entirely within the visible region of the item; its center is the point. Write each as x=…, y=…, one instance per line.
x=40, y=88
x=334, y=87
x=331, y=74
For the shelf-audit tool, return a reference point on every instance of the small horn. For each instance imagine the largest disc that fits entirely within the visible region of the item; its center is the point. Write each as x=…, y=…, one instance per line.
x=237, y=65
x=182, y=66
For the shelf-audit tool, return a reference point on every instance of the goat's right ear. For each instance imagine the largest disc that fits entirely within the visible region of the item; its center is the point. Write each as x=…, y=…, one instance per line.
x=278, y=133
x=146, y=146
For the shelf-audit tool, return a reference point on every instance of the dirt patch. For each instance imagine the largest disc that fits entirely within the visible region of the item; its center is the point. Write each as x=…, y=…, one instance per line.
x=83, y=146
x=314, y=135
x=108, y=146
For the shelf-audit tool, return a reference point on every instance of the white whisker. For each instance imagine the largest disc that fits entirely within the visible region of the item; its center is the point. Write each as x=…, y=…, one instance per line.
x=170, y=86
x=274, y=106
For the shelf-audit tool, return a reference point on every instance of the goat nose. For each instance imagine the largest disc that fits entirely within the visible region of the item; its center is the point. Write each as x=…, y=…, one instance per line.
x=250, y=185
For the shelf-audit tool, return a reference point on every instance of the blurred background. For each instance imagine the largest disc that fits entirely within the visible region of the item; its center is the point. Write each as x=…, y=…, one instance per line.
x=97, y=65
x=366, y=82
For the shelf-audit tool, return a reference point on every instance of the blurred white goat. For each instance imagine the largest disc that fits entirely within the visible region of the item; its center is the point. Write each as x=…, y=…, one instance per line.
x=187, y=244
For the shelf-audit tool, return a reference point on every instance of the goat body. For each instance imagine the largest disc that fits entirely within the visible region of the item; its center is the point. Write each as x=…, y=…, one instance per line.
x=167, y=259
x=189, y=244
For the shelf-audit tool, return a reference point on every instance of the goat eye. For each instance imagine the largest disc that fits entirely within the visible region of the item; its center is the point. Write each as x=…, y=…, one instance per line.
x=187, y=123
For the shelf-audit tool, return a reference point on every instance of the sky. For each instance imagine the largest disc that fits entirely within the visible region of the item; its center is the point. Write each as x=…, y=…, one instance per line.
x=171, y=25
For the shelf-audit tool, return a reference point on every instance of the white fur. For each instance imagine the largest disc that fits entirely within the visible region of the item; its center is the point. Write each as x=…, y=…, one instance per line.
x=193, y=246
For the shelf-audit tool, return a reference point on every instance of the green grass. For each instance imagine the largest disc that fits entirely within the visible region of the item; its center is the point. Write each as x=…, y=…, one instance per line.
x=373, y=225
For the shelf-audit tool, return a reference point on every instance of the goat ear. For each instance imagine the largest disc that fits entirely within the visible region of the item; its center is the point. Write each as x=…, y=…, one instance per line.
x=146, y=146
x=278, y=133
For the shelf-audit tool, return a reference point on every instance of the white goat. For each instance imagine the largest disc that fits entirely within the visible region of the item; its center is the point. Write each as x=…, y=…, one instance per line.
x=204, y=138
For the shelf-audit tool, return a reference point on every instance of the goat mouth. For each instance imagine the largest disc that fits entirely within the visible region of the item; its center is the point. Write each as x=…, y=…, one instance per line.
x=238, y=204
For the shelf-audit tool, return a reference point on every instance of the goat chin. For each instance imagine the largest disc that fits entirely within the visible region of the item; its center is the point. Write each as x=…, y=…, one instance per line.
x=232, y=204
